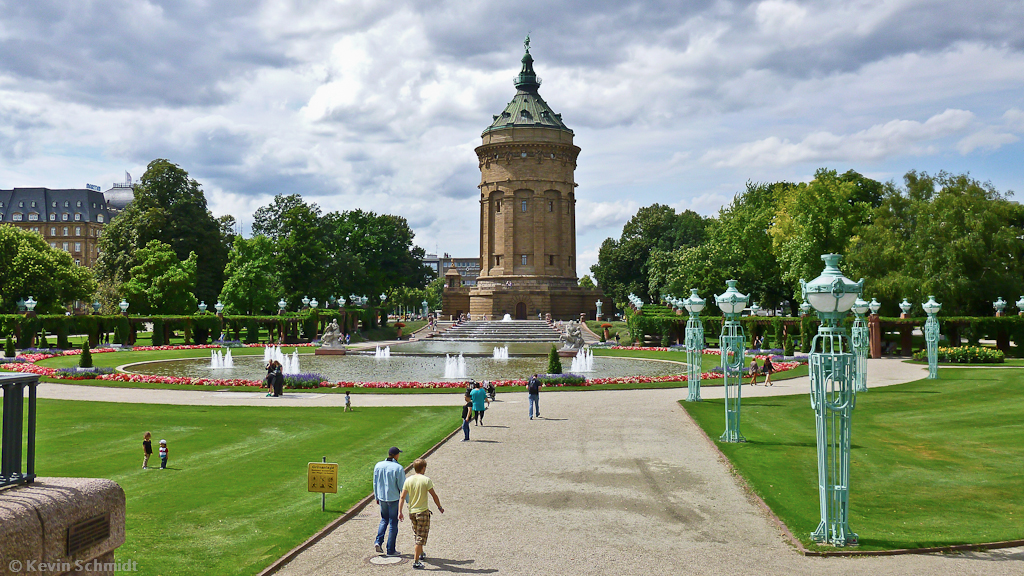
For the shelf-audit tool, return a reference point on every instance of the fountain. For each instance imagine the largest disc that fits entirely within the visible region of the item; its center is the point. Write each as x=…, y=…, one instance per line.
x=382, y=353
x=583, y=361
x=506, y=318
x=454, y=366
x=289, y=362
x=218, y=360
x=501, y=353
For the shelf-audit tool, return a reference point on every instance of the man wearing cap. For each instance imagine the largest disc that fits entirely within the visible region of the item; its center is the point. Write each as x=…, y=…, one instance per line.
x=388, y=480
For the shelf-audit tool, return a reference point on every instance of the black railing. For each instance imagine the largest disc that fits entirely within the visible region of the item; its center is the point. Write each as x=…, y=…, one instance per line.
x=14, y=428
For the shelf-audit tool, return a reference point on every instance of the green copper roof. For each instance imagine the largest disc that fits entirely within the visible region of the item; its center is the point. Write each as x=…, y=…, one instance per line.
x=527, y=108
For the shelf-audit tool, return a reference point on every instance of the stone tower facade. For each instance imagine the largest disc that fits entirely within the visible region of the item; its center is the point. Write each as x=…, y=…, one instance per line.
x=528, y=212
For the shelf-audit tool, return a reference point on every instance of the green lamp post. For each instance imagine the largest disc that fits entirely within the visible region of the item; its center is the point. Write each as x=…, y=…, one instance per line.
x=861, y=345
x=931, y=336
x=832, y=398
x=999, y=305
x=732, y=343
x=694, y=344
x=1020, y=306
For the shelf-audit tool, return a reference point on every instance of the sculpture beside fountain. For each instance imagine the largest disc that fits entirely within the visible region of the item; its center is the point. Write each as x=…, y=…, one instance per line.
x=572, y=339
x=332, y=341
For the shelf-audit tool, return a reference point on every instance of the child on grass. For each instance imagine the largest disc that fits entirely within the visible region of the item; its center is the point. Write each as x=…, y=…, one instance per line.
x=163, y=454
x=348, y=402
x=147, y=449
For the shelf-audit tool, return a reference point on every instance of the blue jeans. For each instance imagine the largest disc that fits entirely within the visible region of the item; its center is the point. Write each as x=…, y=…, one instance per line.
x=388, y=516
x=465, y=428
x=534, y=404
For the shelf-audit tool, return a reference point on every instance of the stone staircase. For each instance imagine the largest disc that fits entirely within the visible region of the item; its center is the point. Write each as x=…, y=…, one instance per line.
x=497, y=331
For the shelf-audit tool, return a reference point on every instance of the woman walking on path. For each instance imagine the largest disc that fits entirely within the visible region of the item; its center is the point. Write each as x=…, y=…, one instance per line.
x=753, y=371
x=767, y=369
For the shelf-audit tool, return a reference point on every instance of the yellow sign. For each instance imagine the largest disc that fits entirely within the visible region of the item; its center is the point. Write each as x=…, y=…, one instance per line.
x=322, y=477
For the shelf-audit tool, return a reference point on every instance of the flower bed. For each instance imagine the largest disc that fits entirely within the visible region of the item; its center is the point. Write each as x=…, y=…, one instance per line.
x=965, y=355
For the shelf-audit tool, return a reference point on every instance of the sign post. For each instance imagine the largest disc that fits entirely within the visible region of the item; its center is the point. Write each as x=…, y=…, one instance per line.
x=322, y=477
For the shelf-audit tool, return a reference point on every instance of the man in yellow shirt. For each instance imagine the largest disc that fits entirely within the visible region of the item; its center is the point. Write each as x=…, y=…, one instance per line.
x=416, y=489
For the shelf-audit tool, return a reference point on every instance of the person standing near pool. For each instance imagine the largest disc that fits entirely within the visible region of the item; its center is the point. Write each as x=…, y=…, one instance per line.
x=479, y=396
x=388, y=481
x=467, y=415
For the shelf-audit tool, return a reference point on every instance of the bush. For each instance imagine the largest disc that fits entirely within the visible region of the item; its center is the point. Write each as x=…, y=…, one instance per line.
x=158, y=333
x=9, y=348
x=965, y=355
x=42, y=339
x=561, y=380
x=787, y=345
x=252, y=331
x=554, y=362
x=85, y=360
x=83, y=373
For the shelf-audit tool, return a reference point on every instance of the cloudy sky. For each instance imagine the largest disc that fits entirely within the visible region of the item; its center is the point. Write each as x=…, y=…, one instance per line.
x=378, y=104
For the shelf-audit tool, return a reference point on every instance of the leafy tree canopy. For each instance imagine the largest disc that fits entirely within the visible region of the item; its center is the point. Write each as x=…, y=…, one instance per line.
x=30, y=267
x=160, y=283
x=586, y=282
x=251, y=283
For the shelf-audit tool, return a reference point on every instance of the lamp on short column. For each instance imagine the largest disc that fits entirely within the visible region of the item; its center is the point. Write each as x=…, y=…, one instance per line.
x=219, y=306
x=305, y=302
x=874, y=306
x=341, y=302
x=832, y=397
x=1020, y=306
x=805, y=308
x=425, y=307
x=314, y=303
x=281, y=305
x=732, y=343
x=999, y=305
x=694, y=304
x=123, y=306
x=202, y=307
x=905, y=308
x=599, y=303
x=931, y=336
x=861, y=345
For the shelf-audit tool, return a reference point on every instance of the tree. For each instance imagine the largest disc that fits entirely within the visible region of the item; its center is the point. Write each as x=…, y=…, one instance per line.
x=169, y=206
x=586, y=282
x=160, y=283
x=269, y=220
x=815, y=218
x=947, y=235
x=623, y=266
x=30, y=267
x=434, y=291
x=251, y=284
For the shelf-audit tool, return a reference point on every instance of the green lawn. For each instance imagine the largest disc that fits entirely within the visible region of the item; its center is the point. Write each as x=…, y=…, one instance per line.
x=934, y=462
x=233, y=498
x=708, y=361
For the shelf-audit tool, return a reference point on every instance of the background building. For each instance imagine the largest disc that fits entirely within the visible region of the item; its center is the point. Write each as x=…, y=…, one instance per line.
x=71, y=220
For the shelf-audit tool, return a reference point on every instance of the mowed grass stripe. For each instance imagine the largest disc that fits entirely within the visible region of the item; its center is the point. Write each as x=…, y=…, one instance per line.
x=934, y=462
x=234, y=497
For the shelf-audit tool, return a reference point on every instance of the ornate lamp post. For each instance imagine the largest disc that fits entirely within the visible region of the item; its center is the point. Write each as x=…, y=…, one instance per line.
x=314, y=303
x=202, y=306
x=219, y=307
x=805, y=308
x=30, y=304
x=931, y=336
x=425, y=308
x=694, y=345
x=999, y=305
x=96, y=307
x=341, y=302
x=732, y=343
x=833, y=398
x=123, y=306
x=305, y=301
x=599, y=303
x=905, y=308
x=281, y=305
x=875, y=306
x=1020, y=306
x=861, y=344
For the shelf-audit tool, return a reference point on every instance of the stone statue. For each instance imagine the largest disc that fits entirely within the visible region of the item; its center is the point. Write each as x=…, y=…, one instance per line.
x=573, y=337
x=332, y=335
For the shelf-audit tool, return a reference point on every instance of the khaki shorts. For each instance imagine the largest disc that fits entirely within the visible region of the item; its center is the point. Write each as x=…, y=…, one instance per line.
x=420, y=526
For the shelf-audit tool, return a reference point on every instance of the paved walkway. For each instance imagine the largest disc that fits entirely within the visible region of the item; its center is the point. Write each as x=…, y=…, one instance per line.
x=608, y=482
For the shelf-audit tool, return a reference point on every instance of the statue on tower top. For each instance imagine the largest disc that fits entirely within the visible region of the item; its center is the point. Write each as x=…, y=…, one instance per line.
x=526, y=43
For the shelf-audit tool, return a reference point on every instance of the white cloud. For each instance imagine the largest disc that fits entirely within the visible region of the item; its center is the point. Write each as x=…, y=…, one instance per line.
x=986, y=139
x=1014, y=119
x=597, y=215
x=896, y=137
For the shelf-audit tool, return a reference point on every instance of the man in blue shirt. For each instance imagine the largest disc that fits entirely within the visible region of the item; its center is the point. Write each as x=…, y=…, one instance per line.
x=388, y=480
